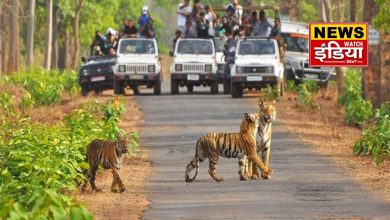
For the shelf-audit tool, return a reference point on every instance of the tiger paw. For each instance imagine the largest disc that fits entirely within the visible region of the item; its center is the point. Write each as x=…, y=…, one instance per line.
x=219, y=179
x=114, y=190
x=255, y=176
x=244, y=178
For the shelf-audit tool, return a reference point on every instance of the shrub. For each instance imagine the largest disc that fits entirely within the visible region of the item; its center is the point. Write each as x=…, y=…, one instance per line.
x=357, y=110
x=271, y=93
x=290, y=86
x=376, y=139
x=306, y=93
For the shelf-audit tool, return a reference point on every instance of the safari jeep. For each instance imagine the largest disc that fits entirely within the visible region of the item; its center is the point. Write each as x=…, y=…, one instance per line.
x=137, y=63
x=257, y=65
x=194, y=65
x=96, y=73
x=296, y=61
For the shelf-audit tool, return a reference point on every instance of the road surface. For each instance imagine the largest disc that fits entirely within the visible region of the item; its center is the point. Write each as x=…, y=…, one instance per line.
x=304, y=184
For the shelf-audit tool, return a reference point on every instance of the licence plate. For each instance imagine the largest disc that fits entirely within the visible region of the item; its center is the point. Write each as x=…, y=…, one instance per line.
x=254, y=78
x=136, y=77
x=97, y=78
x=193, y=77
x=311, y=76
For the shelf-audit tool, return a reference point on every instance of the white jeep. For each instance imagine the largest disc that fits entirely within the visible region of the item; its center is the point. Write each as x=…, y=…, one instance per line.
x=194, y=64
x=137, y=63
x=257, y=65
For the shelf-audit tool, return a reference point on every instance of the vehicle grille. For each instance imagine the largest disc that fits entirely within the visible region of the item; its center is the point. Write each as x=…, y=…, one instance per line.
x=136, y=68
x=193, y=67
x=255, y=69
x=100, y=70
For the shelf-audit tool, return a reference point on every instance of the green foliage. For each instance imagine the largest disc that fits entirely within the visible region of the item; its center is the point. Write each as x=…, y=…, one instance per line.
x=271, y=93
x=376, y=139
x=357, y=110
x=44, y=87
x=382, y=19
x=308, y=12
x=5, y=101
x=306, y=93
x=290, y=86
x=39, y=164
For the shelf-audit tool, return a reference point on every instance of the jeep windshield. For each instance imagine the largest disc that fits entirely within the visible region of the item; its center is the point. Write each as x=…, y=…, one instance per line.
x=201, y=47
x=137, y=46
x=256, y=47
x=296, y=42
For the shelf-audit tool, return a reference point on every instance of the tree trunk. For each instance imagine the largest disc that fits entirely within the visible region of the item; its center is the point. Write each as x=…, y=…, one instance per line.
x=76, y=28
x=3, y=35
x=49, y=32
x=321, y=10
x=383, y=87
x=30, y=33
x=339, y=10
x=68, y=51
x=56, y=23
x=294, y=10
x=370, y=77
x=14, y=35
x=328, y=10
x=353, y=9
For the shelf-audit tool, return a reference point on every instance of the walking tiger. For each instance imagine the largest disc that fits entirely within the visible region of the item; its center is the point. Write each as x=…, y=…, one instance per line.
x=240, y=145
x=108, y=154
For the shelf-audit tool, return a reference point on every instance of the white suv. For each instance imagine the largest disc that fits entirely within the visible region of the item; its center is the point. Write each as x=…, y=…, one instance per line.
x=194, y=64
x=257, y=65
x=137, y=63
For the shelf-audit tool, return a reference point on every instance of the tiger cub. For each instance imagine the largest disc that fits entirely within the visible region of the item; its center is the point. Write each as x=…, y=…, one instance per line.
x=240, y=145
x=264, y=136
x=108, y=154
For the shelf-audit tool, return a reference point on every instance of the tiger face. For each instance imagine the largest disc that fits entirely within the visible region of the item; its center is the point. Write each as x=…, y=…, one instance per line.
x=123, y=144
x=250, y=122
x=267, y=111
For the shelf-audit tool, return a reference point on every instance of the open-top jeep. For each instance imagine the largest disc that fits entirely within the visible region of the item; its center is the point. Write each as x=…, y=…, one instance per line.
x=257, y=65
x=194, y=65
x=96, y=74
x=137, y=63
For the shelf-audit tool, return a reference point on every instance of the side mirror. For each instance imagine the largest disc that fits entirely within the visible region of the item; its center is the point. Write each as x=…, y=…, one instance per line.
x=83, y=59
x=171, y=53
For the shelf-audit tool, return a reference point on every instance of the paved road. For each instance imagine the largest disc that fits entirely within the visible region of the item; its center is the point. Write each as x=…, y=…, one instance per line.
x=304, y=185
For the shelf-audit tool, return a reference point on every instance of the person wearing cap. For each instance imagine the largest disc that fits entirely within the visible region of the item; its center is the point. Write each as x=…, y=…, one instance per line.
x=202, y=26
x=145, y=18
x=261, y=26
x=235, y=9
x=110, y=40
x=183, y=11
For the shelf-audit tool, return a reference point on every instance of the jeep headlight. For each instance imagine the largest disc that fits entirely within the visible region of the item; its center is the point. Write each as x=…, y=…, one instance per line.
x=121, y=68
x=85, y=72
x=151, y=68
x=208, y=68
x=179, y=67
x=294, y=64
x=239, y=69
x=269, y=69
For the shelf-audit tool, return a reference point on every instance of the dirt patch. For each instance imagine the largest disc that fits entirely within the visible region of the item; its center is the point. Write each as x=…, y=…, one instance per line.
x=131, y=203
x=324, y=130
x=166, y=62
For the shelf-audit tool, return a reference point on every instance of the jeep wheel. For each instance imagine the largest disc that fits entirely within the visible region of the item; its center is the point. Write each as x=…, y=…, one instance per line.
x=118, y=88
x=174, y=87
x=214, y=87
x=190, y=88
x=226, y=86
x=236, y=90
x=84, y=90
x=157, y=86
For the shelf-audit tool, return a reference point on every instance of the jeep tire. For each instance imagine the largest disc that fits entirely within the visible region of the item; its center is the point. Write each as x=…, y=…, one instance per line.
x=118, y=88
x=226, y=86
x=174, y=87
x=84, y=90
x=214, y=87
x=236, y=90
x=190, y=88
x=157, y=86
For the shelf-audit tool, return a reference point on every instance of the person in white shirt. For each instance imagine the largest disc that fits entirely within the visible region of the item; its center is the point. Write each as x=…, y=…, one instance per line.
x=211, y=17
x=183, y=11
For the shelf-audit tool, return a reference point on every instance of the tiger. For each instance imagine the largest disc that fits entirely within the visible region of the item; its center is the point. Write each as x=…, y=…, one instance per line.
x=108, y=154
x=240, y=145
x=264, y=137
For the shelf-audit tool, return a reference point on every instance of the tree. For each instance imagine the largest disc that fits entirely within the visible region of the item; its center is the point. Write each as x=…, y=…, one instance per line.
x=290, y=7
x=30, y=33
x=13, y=56
x=49, y=33
x=352, y=10
x=76, y=29
x=3, y=36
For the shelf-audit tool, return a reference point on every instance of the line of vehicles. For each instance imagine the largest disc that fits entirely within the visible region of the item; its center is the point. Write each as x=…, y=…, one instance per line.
x=254, y=63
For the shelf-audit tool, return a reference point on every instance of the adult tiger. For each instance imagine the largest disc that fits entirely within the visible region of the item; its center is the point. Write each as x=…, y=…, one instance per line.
x=108, y=154
x=240, y=145
x=268, y=114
